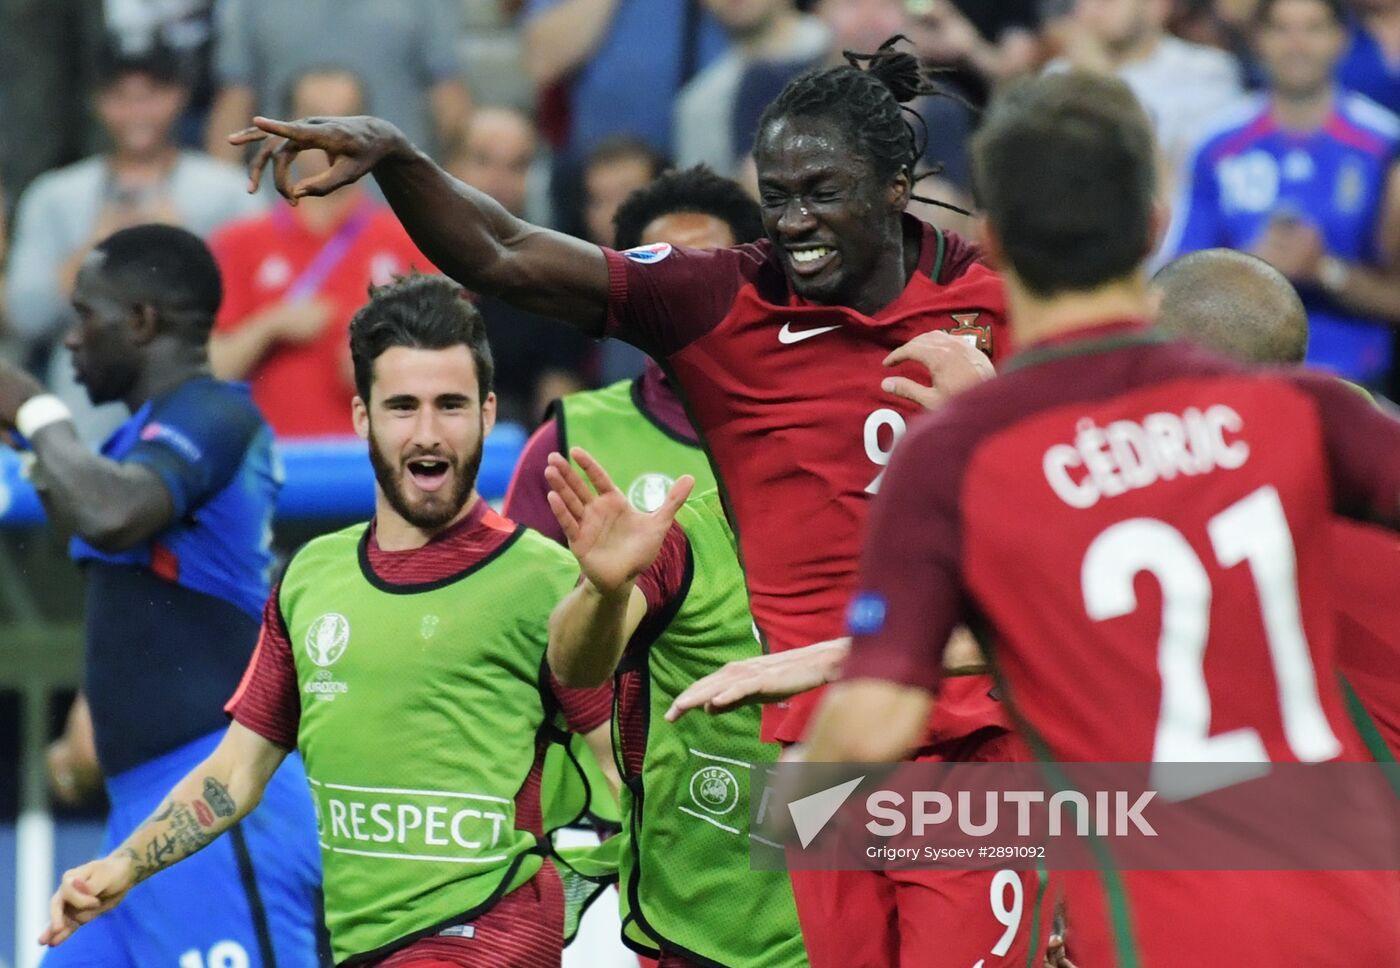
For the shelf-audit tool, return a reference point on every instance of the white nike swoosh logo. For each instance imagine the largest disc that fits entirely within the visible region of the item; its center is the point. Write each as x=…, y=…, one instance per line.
x=786, y=336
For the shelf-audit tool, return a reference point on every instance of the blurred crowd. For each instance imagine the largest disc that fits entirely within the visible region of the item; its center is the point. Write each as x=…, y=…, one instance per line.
x=117, y=113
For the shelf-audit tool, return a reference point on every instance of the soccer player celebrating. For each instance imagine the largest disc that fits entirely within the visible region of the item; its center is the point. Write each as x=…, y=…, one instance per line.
x=791, y=357
x=171, y=524
x=1136, y=604
x=663, y=603
x=405, y=660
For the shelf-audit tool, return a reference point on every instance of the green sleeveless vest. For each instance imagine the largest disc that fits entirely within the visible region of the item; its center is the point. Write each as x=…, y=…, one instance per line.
x=420, y=711
x=685, y=873
x=644, y=459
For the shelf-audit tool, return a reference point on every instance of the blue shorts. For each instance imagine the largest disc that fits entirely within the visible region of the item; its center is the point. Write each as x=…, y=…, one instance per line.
x=251, y=899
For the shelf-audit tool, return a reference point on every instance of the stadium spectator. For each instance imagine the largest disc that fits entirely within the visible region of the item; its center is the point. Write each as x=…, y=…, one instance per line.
x=1302, y=176
x=404, y=51
x=295, y=277
x=497, y=157
x=771, y=32
x=615, y=67
x=146, y=177
x=187, y=28
x=172, y=523
x=432, y=618
x=1371, y=64
x=1182, y=85
x=614, y=170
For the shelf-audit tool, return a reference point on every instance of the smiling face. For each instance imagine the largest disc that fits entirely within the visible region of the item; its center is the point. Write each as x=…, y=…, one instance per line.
x=426, y=425
x=833, y=220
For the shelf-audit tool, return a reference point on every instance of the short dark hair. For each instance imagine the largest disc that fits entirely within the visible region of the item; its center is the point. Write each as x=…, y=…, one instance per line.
x=1065, y=169
x=626, y=148
x=158, y=61
x=1265, y=8
x=1234, y=303
x=868, y=104
x=169, y=269
x=696, y=189
x=420, y=311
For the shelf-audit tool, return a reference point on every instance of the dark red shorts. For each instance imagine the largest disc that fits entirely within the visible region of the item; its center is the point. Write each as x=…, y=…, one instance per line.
x=897, y=918
x=525, y=929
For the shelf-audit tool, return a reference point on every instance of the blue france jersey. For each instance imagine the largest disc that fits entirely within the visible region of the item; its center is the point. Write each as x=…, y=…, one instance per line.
x=1248, y=171
x=172, y=622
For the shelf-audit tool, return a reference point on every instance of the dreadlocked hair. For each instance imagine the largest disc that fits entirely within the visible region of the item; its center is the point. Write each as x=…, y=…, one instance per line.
x=870, y=102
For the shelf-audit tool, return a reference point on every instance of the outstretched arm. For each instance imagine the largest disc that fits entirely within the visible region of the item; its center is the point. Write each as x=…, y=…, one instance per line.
x=614, y=543
x=466, y=233
x=210, y=799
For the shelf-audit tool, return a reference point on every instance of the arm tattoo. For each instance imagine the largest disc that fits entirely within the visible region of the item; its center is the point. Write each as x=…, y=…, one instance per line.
x=217, y=796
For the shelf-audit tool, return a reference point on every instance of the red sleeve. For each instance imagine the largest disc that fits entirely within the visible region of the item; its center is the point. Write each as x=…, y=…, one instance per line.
x=1363, y=450
x=959, y=256
x=526, y=500
x=584, y=709
x=661, y=299
x=909, y=596
x=664, y=582
x=266, y=701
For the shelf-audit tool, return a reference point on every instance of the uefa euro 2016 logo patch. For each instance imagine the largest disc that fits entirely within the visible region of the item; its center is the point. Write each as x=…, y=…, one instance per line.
x=647, y=254
x=327, y=638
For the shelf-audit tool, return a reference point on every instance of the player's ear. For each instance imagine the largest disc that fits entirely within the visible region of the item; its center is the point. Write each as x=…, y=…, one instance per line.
x=359, y=416
x=488, y=414
x=990, y=243
x=145, y=324
x=901, y=187
x=1161, y=221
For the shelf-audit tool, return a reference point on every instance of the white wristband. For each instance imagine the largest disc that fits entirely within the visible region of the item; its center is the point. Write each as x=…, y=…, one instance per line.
x=36, y=413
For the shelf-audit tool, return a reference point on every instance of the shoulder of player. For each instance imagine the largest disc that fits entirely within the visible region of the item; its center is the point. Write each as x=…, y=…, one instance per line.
x=1365, y=113
x=334, y=548
x=533, y=549
x=228, y=402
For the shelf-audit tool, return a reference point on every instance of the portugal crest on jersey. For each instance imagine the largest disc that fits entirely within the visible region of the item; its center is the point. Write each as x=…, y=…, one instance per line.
x=965, y=325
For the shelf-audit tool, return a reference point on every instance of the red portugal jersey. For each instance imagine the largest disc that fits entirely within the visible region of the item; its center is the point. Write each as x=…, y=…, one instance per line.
x=1367, y=583
x=1159, y=588
x=786, y=397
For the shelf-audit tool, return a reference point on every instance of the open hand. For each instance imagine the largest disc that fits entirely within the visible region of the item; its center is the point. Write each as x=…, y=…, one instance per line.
x=612, y=540
x=763, y=679
x=352, y=145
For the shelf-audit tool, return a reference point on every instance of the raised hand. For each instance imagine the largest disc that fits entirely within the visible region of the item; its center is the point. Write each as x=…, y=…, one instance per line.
x=353, y=146
x=612, y=540
x=85, y=893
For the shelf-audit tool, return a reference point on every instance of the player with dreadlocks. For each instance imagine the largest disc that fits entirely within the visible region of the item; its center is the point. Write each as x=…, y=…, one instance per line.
x=800, y=358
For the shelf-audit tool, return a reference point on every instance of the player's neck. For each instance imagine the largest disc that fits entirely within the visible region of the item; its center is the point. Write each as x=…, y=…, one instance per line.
x=169, y=363
x=393, y=533
x=1034, y=318
x=1303, y=111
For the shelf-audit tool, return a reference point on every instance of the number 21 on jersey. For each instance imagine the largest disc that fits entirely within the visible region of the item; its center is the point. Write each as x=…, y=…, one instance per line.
x=1253, y=531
